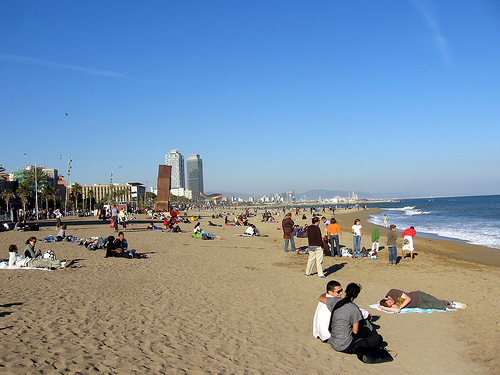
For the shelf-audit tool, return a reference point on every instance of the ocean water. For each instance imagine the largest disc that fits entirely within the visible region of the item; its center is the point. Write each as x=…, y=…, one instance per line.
x=475, y=220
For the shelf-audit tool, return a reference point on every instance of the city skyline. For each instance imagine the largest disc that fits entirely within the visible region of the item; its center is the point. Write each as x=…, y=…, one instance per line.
x=178, y=177
x=393, y=97
x=194, y=166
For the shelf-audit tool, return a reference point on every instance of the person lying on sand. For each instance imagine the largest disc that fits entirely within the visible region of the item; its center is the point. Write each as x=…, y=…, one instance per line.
x=200, y=233
x=396, y=299
x=18, y=260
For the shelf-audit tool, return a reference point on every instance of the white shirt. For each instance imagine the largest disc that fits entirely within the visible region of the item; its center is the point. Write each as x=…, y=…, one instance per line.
x=321, y=321
x=249, y=231
x=322, y=317
x=17, y=260
x=357, y=230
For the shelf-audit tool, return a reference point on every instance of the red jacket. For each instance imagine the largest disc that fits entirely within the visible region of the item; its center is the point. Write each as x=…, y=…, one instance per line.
x=409, y=232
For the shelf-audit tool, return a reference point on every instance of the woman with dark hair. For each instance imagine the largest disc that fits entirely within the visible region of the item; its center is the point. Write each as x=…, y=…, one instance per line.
x=348, y=335
x=29, y=249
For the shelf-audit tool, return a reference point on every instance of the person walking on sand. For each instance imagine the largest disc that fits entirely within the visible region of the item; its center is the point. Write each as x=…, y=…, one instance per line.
x=385, y=219
x=315, y=249
x=408, y=235
x=375, y=239
x=391, y=245
x=357, y=232
x=287, y=225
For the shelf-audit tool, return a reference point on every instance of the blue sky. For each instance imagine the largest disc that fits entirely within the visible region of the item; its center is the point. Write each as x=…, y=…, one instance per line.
x=379, y=96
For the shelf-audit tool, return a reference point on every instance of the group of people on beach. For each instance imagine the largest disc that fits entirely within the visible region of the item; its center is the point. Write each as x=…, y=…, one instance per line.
x=348, y=329
x=33, y=258
x=332, y=234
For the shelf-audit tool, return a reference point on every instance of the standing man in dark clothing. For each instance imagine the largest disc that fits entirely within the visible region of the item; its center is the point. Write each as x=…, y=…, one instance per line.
x=315, y=249
x=391, y=245
x=287, y=225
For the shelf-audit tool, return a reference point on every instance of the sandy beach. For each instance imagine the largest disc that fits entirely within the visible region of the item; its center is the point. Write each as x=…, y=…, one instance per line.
x=236, y=306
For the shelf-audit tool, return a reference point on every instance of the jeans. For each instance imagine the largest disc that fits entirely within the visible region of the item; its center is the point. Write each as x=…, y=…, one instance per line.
x=393, y=254
x=50, y=238
x=334, y=244
x=356, y=244
x=292, y=242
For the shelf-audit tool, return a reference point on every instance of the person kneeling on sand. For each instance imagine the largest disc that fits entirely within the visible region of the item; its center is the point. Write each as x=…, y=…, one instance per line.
x=18, y=260
x=327, y=301
x=396, y=300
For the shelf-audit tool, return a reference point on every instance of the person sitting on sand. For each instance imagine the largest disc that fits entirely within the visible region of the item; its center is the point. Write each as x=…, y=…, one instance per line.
x=348, y=335
x=119, y=248
x=29, y=249
x=395, y=300
x=19, y=261
x=327, y=302
x=252, y=230
x=122, y=244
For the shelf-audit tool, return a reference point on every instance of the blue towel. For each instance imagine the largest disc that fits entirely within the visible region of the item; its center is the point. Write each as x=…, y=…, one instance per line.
x=407, y=310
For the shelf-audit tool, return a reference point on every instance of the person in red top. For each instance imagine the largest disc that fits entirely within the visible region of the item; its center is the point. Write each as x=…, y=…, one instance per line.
x=408, y=241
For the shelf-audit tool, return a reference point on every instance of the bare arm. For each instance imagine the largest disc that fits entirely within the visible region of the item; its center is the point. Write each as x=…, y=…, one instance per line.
x=407, y=300
x=322, y=298
x=355, y=328
x=394, y=308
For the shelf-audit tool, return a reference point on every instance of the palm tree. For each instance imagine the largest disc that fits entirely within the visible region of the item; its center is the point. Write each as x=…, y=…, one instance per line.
x=24, y=192
x=7, y=194
x=3, y=175
x=53, y=194
x=36, y=174
x=76, y=190
x=73, y=199
x=47, y=193
x=90, y=195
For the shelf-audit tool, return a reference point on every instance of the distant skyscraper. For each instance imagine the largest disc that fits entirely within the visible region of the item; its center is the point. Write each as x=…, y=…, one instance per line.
x=195, y=175
x=176, y=161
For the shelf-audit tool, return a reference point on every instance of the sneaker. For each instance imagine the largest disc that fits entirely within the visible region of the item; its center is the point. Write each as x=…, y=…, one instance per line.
x=458, y=305
x=322, y=277
x=67, y=263
x=392, y=353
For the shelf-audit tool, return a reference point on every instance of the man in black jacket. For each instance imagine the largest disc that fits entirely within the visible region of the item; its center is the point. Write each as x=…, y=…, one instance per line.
x=315, y=250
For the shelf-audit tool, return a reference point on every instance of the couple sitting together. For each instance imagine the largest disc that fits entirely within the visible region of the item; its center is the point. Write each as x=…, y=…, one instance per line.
x=119, y=248
x=346, y=327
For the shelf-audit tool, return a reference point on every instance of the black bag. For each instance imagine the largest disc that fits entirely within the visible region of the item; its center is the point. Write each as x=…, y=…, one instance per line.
x=374, y=355
x=326, y=248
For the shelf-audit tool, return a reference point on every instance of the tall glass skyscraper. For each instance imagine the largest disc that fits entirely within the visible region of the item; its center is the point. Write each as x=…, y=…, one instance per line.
x=176, y=161
x=195, y=175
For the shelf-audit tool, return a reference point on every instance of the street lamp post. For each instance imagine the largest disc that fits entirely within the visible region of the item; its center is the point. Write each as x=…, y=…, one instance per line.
x=110, y=184
x=36, y=193
x=67, y=180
